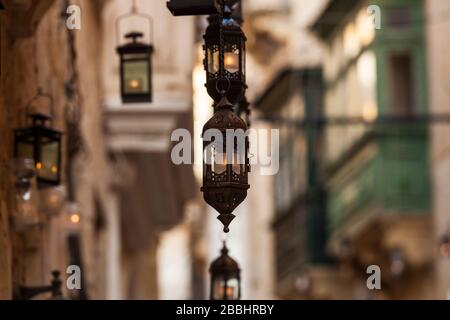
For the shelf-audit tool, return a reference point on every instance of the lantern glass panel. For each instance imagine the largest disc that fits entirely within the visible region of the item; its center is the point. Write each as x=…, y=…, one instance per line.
x=213, y=59
x=135, y=74
x=48, y=167
x=25, y=150
x=232, y=291
x=239, y=159
x=225, y=289
x=231, y=58
x=219, y=162
x=218, y=289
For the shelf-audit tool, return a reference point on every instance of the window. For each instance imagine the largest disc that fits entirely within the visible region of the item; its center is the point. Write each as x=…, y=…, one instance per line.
x=401, y=84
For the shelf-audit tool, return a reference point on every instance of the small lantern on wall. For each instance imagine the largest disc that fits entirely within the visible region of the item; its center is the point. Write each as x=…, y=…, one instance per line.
x=42, y=144
x=225, y=32
x=135, y=63
x=225, y=277
x=226, y=162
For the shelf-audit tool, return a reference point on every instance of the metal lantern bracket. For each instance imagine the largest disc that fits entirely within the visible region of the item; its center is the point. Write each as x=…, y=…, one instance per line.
x=197, y=7
x=27, y=293
x=134, y=13
x=38, y=96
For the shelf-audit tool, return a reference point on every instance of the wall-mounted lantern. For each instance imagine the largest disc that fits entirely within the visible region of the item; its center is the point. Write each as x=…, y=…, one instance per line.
x=135, y=63
x=24, y=195
x=42, y=144
x=226, y=162
x=225, y=277
x=224, y=32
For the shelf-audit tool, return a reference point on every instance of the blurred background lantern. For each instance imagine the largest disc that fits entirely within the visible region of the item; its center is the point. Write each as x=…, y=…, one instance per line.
x=226, y=165
x=225, y=277
x=43, y=145
x=224, y=33
x=135, y=62
x=24, y=196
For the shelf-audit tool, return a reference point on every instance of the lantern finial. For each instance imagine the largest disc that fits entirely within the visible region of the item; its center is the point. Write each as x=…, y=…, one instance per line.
x=226, y=220
x=224, y=250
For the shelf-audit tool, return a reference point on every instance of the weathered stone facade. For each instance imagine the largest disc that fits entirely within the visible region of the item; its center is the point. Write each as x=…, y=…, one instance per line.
x=116, y=158
x=64, y=64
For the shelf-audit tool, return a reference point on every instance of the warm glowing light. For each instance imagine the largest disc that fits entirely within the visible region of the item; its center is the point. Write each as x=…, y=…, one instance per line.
x=231, y=62
x=39, y=166
x=75, y=218
x=134, y=84
x=54, y=169
x=229, y=292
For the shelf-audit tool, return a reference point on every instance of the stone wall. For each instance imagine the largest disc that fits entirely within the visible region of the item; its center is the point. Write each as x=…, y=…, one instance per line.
x=53, y=59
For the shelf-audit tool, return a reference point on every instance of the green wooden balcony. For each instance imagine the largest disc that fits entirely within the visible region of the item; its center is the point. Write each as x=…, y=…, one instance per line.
x=384, y=173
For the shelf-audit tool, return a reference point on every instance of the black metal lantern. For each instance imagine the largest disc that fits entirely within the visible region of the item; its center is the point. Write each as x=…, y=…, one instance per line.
x=224, y=32
x=135, y=64
x=42, y=144
x=226, y=162
x=225, y=278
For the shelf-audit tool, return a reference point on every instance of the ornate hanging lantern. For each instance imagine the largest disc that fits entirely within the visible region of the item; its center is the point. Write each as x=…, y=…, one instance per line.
x=226, y=162
x=135, y=63
x=225, y=278
x=225, y=32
